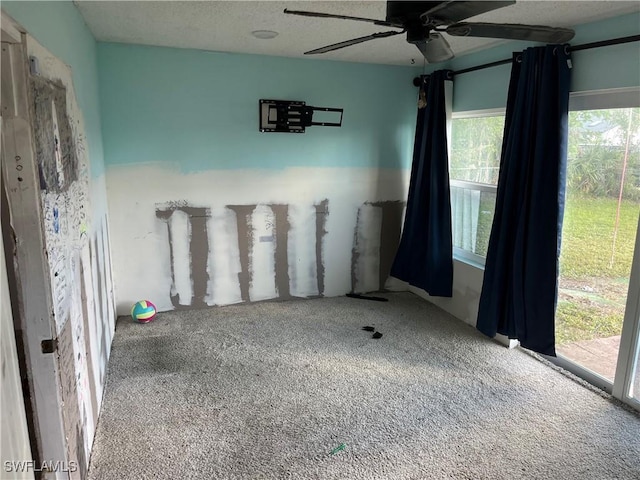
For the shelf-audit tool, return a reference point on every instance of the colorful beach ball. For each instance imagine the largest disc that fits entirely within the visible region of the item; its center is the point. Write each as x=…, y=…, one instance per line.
x=143, y=311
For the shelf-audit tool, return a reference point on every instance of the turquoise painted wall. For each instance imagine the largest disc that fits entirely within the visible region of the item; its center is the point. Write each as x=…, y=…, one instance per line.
x=198, y=110
x=599, y=68
x=61, y=29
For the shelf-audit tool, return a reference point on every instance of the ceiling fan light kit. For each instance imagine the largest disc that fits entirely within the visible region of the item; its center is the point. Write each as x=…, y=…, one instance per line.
x=425, y=22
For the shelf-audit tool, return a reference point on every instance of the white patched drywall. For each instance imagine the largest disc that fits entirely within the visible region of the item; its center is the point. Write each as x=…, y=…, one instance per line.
x=156, y=212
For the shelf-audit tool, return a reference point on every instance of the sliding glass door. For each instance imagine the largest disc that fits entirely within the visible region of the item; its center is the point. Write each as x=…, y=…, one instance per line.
x=597, y=314
x=597, y=318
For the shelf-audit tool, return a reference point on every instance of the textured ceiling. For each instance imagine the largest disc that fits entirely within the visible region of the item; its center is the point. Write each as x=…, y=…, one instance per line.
x=226, y=26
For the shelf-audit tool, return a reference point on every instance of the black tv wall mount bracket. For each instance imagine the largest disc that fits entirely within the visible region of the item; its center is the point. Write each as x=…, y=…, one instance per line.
x=292, y=116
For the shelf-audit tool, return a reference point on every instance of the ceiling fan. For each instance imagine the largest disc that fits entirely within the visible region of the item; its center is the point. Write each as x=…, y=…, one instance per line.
x=424, y=23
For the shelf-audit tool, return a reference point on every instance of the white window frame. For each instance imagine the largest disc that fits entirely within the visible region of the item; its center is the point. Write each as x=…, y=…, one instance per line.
x=461, y=254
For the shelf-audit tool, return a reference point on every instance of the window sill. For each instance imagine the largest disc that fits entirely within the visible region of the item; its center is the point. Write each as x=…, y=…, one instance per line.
x=468, y=261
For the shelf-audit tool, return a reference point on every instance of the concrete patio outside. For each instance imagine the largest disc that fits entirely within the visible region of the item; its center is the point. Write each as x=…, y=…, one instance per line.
x=599, y=355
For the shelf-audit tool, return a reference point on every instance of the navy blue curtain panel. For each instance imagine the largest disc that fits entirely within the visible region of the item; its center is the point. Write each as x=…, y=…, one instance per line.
x=519, y=292
x=425, y=254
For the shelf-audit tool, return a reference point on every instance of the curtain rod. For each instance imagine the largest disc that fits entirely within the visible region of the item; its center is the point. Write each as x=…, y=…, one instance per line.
x=585, y=46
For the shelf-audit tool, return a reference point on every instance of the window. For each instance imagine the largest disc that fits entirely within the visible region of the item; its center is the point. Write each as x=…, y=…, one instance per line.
x=476, y=143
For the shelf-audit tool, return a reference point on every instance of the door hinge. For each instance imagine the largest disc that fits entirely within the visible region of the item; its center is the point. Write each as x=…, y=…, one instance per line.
x=50, y=345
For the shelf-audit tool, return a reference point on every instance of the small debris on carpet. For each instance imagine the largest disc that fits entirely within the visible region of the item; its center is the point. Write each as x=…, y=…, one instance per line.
x=376, y=334
x=363, y=297
x=339, y=448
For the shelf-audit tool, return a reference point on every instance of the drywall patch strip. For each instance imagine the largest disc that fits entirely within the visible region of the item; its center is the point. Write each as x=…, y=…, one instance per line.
x=245, y=245
x=355, y=253
x=282, y=226
x=198, y=241
x=322, y=211
x=199, y=249
x=165, y=215
x=390, y=231
x=375, y=243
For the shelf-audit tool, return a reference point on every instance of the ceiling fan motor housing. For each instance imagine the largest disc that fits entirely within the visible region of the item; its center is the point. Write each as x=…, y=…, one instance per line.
x=417, y=33
x=401, y=12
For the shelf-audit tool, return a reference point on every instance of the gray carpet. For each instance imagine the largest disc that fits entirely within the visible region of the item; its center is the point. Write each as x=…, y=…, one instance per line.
x=267, y=390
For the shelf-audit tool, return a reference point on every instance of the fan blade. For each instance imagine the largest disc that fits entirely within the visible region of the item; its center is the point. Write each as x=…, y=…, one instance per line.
x=342, y=17
x=436, y=49
x=455, y=11
x=353, y=41
x=534, y=33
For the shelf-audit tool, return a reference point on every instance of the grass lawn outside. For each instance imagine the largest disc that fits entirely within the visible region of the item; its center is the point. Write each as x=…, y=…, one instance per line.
x=594, y=276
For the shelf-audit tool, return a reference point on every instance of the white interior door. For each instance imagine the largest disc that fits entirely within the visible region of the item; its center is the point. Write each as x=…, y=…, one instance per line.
x=36, y=322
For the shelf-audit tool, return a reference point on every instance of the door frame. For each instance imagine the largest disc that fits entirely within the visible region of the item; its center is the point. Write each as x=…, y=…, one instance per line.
x=628, y=361
x=34, y=311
